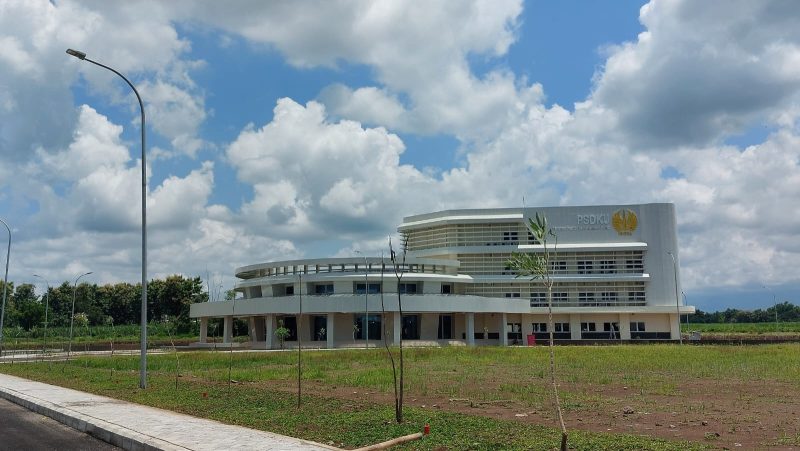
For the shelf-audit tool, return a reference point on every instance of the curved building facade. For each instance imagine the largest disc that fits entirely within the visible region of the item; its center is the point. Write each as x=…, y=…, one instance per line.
x=614, y=270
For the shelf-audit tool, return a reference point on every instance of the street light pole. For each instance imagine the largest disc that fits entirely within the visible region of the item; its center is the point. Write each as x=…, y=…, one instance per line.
x=143, y=343
x=46, y=308
x=366, y=293
x=774, y=305
x=5, y=287
x=72, y=316
x=677, y=296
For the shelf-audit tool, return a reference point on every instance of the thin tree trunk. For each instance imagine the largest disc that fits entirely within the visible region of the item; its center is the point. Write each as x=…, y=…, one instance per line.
x=399, y=408
x=386, y=343
x=553, y=368
x=550, y=327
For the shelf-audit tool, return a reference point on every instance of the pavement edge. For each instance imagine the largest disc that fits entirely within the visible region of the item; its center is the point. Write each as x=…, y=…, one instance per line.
x=100, y=429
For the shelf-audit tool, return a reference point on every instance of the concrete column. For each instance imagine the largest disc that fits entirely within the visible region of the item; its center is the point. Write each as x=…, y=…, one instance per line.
x=329, y=329
x=227, y=334
x=470, y=318
x=674, y=326
x=624, y=326
x=397, y=328
x=269, y=332
x=575, y=326
x=203, y=330
x=503, y=318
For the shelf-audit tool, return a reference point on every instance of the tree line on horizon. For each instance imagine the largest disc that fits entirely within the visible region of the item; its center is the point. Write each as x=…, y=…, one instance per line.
x=787, y=312
x=170, y=298
x=117, y=304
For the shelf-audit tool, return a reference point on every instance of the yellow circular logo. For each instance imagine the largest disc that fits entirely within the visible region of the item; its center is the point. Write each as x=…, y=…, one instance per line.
x=624, y=221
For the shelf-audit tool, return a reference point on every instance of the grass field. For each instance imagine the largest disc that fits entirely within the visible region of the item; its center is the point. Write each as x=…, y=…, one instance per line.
x=476, y=398
x=57, y=337
x=745, y=328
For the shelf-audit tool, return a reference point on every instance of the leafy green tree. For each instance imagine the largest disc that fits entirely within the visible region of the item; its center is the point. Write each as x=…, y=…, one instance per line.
x=24, y=308
x=171, y=298
x=537, y=266
x=282, y=333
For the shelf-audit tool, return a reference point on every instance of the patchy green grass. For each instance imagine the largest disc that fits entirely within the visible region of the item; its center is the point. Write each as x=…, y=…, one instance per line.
x=344, y=422
x=654, y=378
x=745, y=328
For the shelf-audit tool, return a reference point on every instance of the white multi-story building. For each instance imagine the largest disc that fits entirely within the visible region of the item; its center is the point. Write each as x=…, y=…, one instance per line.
x=614, y=269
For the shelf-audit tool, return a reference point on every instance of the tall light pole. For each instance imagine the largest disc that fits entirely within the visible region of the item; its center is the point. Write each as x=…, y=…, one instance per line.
x=143, y=344
x=774, y=304
x=366, y=293
x=677, y=296
x=46, y=307
x=72, y=316
x=5, y=287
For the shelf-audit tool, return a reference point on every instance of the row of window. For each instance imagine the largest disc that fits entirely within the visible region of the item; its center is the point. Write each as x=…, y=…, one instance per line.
x=497, y=234
x=411, y=328
x=587, y=299
x=371, y=288
x=515, y=329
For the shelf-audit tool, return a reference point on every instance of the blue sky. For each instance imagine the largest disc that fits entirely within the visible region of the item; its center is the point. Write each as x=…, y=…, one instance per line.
x=280, y=131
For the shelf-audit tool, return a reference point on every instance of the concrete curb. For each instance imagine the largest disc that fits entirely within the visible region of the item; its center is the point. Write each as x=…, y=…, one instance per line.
x=100, y=429
x=138, y=427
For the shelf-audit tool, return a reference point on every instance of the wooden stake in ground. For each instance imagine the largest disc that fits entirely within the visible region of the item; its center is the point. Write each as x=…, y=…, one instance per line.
x=538, y=267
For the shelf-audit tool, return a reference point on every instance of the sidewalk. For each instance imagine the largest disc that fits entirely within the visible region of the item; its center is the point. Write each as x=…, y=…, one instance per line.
x=136, y=427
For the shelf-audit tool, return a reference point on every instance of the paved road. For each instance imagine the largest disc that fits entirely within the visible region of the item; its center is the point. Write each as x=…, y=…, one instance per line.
x=21, y=429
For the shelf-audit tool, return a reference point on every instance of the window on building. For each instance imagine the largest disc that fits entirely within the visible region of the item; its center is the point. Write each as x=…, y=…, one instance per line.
x=373, y=327
x=561, y=327
x=558, y=266
x=445, y=329
x=560, y=298
x=514, y=331
x=289, y=290
x=510, y=238
x=612, y=329
x=637, y=326
x=512, y=295
x=374, y=288
x=319, y=330
x=636, y=297
x=634, y=265
x=406, y=288
x=584, y=266
x=539, y=327
x=608, y=267
x=323, y=288
x=410, y=327
x=538, y=299
x=609, y=298
x=447, y=288
x=588, y=327
x=586, y=298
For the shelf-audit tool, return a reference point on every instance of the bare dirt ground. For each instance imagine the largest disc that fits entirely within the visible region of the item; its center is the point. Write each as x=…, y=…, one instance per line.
x=724, y=415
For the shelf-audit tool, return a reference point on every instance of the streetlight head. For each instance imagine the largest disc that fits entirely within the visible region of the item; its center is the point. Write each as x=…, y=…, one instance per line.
x=76, y=54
